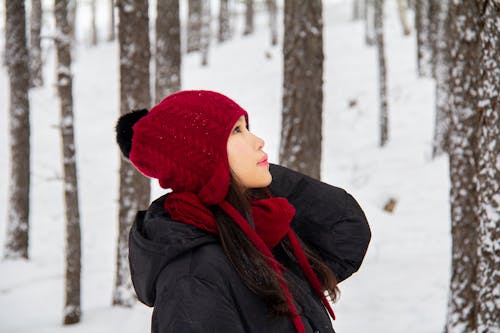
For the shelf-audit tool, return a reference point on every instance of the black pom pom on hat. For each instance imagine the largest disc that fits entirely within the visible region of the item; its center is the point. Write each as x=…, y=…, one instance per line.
x=124, y=131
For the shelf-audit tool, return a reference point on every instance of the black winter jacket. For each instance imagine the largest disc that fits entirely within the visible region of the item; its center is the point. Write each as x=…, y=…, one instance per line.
x=183, y=272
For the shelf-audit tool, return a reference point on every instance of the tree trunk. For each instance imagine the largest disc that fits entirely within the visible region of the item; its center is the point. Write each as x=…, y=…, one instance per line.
x=440, y=142
x=72, y=6
x=35, y=52
x=248, y=18
x=93, y=28
x=194, y=25
x=402, y=17
x=369, y=23
x=424, y=51
x=111, y=33
x=16, y=242
x=168, y=49
x=133, y=35
x=224, y=22
x=205, y=31
x=301, y=134
x=356, y=10
x=72, y=309
x=433, y=21
x=488, y=175
x=379, y=39
x=465, y=55
x=273, y=12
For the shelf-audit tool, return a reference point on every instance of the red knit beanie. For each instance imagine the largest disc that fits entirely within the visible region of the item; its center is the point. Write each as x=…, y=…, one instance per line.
x=182, y=142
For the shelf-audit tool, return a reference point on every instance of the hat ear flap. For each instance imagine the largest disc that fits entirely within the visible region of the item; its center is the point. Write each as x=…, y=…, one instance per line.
x=124, y=130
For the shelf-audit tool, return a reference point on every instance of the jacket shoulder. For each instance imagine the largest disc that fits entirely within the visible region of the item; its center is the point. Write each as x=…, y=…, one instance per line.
x=207, y=262
x=327, y=218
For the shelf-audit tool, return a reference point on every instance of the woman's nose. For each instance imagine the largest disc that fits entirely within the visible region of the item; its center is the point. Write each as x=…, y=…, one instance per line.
x=260, y=143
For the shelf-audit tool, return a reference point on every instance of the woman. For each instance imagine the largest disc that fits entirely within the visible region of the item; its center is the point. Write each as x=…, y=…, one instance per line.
x=239, y=245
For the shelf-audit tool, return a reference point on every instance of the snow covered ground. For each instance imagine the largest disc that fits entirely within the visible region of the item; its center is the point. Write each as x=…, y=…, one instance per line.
x=402, y=285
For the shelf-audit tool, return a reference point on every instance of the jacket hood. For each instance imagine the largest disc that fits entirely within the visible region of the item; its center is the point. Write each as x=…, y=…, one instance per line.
x=155, y=241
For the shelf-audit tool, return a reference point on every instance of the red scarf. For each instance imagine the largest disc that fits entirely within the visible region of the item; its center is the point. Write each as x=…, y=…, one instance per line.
x=272, y=219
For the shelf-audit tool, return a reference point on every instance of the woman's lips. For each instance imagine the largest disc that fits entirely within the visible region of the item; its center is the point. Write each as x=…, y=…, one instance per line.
x=263, y=161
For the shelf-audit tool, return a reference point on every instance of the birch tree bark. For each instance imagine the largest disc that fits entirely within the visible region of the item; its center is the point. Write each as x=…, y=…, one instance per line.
x=301, y=130
x=16, y=241
x=133, y=35
x=72, y=308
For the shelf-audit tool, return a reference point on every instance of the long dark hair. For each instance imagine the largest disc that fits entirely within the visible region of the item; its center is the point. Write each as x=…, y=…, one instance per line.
x=251, y=264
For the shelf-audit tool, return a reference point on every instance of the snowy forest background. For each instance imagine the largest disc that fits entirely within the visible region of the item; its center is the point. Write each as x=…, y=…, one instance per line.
x=400, y=100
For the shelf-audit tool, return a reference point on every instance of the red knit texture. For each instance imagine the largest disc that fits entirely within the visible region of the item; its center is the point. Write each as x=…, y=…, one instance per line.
x=182, y=142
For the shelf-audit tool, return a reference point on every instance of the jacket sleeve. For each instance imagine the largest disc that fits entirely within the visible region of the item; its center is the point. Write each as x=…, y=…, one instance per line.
x=328, y=219
x=195, y=305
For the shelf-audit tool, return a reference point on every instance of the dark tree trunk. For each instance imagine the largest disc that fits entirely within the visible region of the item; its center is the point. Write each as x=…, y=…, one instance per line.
x=424, y=51
x=382, y=71
x=369, y=22
x=112, y=24
x=205, y=31
x=72, y=6
x=133, y=35
x=440, y=143
x=224, y=22
x=168, y=49
x=433, y=21
x=357, y=9
x=72, y=309
x=465, y=51
x=301, y=133
x=194, y=25
x=16, y=242
x=273, y=13
x=35, y=51
x=93, y=27
x=488, y=176
x=248, y=18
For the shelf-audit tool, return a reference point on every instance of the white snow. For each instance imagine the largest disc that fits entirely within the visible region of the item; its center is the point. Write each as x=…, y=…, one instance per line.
x=402, y=285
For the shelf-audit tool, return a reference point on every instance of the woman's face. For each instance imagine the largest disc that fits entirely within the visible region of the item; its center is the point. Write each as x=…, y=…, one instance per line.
x=247, y=160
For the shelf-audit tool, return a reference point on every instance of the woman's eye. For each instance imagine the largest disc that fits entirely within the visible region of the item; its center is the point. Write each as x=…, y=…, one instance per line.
x=237, y=129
